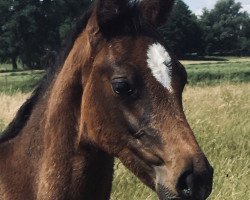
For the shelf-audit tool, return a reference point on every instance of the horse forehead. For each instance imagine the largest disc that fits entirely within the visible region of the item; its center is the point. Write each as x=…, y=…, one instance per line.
x=160, y=63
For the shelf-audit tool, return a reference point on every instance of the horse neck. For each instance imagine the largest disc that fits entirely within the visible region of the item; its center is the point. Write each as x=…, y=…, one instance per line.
x=62, y=134
x=97, y=174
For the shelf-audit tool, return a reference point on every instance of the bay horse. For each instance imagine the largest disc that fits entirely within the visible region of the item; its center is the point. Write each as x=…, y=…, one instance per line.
x=117, y=92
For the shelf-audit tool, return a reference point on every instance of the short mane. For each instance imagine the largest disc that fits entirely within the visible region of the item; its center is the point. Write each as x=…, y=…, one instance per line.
x=26, y=109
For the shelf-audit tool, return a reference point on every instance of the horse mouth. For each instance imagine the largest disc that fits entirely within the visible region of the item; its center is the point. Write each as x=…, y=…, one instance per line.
x=164, y=193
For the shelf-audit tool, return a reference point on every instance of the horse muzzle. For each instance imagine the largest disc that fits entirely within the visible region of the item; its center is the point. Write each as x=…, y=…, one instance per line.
x=191, y=184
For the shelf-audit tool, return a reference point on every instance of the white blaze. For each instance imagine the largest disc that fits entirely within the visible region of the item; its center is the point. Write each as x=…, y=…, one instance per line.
x=159, y=62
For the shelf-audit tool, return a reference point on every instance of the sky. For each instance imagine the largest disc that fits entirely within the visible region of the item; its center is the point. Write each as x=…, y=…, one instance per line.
x=197, y=5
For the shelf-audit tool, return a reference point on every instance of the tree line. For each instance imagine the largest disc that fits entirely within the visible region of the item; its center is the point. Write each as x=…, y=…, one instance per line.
x=32, y=31
x=224, y=30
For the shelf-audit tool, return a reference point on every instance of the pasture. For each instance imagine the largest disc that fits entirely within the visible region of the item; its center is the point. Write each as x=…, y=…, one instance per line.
x=217, y=106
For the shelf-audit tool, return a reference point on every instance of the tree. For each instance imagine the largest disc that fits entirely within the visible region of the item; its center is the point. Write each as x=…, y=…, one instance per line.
x=33, y=29
x=225, y=28
x=183, y=33
x=9, y=43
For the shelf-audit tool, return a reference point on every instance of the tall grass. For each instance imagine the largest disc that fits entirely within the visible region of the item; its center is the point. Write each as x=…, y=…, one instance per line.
x=220, y=118
x=217, y=105
x=9, y=106
x=1, y=125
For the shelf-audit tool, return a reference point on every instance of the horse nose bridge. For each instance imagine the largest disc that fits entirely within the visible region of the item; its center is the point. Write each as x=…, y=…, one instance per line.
x=182, y=149
x=186, y=169
x=180, y=137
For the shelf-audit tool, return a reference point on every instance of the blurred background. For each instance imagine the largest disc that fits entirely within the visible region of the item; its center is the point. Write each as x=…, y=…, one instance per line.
x=211, y=39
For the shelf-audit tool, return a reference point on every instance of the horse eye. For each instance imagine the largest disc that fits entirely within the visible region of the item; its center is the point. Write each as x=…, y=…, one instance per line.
x=122, y=87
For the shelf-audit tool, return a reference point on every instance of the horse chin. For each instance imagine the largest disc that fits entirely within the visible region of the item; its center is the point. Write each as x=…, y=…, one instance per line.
x=164, y=193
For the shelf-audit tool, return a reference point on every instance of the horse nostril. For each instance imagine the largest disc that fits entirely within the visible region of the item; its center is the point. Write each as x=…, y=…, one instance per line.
x=185, y=184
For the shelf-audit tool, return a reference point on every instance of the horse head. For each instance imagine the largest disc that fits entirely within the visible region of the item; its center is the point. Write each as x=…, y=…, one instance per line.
x=132, y=103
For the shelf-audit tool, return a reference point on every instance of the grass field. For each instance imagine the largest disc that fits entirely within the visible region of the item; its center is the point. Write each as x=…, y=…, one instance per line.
x=202, y=73
x=211, y=73
x=220, y=118
x=11, y=83
x=218, y=110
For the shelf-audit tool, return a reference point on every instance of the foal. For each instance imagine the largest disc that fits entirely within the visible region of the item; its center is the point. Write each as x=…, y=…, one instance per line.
x=117, y=93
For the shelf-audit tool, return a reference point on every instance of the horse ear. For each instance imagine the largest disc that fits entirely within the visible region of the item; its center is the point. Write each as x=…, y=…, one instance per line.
x=155, y=12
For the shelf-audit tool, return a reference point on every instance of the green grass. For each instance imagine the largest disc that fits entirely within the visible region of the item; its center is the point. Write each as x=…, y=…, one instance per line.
x=5, y=67
x=8, y=67
x=11, y=83
x=232, y=71
x=211, y=74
